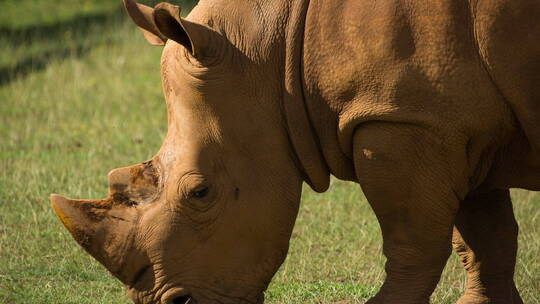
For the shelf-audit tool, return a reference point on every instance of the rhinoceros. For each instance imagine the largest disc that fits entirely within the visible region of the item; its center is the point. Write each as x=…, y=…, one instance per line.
x=433, y=107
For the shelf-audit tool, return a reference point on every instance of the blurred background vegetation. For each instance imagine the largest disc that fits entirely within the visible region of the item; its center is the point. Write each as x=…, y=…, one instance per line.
x=80, y=94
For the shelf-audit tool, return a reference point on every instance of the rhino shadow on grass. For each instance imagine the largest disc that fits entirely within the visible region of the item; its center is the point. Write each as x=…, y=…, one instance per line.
x=84, y=32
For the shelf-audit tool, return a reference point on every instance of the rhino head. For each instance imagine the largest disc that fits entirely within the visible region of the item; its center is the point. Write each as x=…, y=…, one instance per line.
x=209, y=217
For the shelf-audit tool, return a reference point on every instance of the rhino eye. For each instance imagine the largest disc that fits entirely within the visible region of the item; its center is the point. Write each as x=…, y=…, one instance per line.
x=200, y=193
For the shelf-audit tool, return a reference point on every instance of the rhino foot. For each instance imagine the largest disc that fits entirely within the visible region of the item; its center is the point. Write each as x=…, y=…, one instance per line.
x=482, y=299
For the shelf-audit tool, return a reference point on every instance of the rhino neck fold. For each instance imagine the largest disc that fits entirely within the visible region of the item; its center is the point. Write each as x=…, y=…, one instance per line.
x=303, y=139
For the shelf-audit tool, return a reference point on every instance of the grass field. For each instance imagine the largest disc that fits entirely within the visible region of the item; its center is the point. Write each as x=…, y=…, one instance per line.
x=80, y=94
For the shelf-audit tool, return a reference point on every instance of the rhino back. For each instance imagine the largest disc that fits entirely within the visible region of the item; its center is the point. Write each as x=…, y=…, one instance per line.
x=414, y=62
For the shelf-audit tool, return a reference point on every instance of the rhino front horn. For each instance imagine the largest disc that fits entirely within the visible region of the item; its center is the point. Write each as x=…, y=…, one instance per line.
x=80, y=217
x=101, y=227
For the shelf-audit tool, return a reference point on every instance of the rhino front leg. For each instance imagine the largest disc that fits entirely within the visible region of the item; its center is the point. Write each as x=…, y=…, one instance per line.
x=485, y=238
x=411, y=179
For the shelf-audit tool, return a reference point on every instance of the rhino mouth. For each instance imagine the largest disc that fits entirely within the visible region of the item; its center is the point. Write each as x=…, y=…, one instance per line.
x=175, y=295
x=184, y=300
x=179, y=298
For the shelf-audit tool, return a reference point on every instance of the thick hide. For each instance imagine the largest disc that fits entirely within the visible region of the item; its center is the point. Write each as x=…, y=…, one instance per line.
x=432, y=107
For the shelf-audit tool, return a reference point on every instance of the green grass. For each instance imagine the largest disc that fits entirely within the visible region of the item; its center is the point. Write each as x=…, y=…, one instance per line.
x=80, y=94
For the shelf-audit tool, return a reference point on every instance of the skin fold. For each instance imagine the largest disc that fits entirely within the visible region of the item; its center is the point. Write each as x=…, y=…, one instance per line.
x=432, y=107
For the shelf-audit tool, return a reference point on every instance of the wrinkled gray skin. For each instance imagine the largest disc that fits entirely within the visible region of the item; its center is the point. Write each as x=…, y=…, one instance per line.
x=424, y=104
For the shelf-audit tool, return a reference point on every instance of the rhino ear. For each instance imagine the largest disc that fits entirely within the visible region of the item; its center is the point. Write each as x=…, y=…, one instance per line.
x=143, y=16
x=165, y=22
x=169, y=22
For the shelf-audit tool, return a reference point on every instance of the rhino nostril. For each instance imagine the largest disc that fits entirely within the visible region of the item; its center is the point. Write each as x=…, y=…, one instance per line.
x=182, y=300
